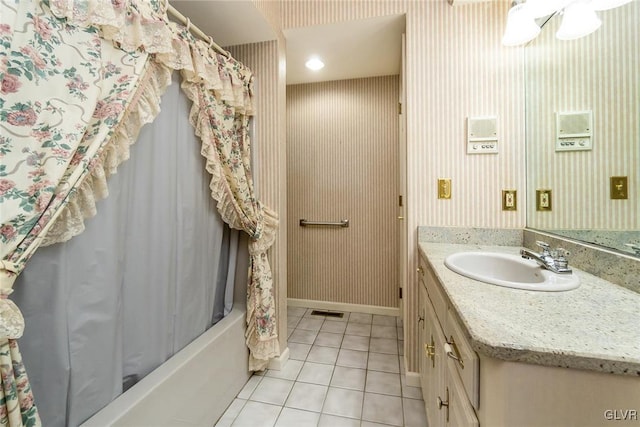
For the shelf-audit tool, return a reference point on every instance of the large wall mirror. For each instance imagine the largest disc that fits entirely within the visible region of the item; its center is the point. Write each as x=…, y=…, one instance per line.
x=592, y=87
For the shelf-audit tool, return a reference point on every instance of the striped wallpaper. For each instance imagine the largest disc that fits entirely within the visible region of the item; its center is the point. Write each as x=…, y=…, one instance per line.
x=304, y=13
x=456, y=67
x=599, y=72
x=342, y=163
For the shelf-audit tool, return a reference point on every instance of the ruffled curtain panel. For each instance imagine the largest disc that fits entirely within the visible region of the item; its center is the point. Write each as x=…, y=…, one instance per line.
x=79, y=79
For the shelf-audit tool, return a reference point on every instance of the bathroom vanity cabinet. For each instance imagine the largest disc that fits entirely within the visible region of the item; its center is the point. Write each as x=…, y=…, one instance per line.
x=467, y=383
x=449, y=380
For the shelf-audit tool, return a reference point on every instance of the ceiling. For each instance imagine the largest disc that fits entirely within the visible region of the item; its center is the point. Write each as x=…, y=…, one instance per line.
x=230, y=22
x=351, y=49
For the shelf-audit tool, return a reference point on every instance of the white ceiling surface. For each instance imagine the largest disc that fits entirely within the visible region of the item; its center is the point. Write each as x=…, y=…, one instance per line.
x=230, y=22
x=353, y=49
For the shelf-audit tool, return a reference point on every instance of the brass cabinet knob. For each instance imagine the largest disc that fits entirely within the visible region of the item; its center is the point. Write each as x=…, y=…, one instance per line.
x=429, y=350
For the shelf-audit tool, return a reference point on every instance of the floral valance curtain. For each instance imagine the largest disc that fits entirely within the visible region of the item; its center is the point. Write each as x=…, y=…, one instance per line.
x=78, y=82
x=221, y=91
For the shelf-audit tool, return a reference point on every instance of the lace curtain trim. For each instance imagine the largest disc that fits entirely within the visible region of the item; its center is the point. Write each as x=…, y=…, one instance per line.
x=138, y=26
x=142, y=25
x=143, y=109
x=261, y=335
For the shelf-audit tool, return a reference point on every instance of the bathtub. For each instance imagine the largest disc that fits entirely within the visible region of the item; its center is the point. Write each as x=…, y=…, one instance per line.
x=192, y=388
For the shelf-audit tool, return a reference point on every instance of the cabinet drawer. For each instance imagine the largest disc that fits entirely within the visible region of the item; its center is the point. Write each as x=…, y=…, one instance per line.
x=462, y=359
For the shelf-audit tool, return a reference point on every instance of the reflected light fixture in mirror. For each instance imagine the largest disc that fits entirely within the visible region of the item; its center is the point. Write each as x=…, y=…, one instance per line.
x=314, y=63
x=578, y=20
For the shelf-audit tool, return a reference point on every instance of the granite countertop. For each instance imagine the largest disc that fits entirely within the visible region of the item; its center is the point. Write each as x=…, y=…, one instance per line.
x=594, y=327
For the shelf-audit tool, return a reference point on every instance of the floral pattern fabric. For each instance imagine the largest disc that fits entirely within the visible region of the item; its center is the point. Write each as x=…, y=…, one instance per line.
x=67, y=90
x=17, y=407
x=64, y=90
x=225, y=144
x=221, y=91
x=76, y=88
x=63, y=95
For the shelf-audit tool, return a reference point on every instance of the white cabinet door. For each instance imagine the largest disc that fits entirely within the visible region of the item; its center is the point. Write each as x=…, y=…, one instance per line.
x=436, y=363
x=461, y=413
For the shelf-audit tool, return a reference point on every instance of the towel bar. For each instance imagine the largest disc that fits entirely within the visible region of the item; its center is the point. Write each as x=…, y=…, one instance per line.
x=342, y=223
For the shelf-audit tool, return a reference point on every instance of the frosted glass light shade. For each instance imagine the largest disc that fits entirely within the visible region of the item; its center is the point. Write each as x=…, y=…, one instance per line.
x=607, y=4
x=521, y=27
x=578, y=21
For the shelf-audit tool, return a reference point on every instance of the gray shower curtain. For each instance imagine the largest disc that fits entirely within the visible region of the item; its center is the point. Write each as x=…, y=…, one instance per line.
x=152, y=271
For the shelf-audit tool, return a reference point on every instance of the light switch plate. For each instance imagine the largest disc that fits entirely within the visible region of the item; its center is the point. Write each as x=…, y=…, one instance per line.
x=444, y=188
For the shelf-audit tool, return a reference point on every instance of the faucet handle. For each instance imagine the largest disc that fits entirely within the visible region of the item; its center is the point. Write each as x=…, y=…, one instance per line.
x=560, y=259
x=543, y=245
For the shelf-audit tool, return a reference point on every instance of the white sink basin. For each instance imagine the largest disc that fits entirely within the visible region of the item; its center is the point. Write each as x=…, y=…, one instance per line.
x=508, y=270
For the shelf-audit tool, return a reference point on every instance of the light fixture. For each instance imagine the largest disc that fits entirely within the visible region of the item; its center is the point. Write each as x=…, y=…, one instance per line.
x=314, y=63
x=521, y=26
x=607, y=4
x=579, y=19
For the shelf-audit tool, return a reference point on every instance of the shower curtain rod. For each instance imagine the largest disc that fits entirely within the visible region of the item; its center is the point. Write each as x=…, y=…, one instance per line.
x=194, y=29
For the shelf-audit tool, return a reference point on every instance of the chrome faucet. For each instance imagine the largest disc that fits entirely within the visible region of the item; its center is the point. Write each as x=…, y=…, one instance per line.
x=554, y=261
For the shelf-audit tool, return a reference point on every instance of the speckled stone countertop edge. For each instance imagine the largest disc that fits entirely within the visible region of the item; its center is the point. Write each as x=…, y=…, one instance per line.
x=509, y=350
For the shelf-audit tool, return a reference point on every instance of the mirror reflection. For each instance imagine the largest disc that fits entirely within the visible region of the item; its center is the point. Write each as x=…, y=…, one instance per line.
x=583, y=132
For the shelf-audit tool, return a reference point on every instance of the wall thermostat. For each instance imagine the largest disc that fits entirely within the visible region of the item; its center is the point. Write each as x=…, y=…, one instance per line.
x=574, y=131
x=482, y=136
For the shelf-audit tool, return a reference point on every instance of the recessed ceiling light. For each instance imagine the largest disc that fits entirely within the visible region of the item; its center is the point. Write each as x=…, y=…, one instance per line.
x=314, y=64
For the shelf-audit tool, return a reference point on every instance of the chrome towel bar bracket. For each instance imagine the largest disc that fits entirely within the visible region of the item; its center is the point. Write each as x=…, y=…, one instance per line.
x=344, y=223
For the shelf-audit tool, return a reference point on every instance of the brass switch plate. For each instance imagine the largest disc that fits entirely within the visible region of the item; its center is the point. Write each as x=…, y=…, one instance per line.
x=619, y=187
x=509, y=200
x=543, y=200
x=444, y=188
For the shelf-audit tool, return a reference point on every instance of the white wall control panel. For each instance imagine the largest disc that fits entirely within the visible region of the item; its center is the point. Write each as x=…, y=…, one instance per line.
x=482, y=136
x=574, y=131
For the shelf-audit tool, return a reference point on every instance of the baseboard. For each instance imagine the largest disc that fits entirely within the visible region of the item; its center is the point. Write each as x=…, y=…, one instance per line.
x=338, y=306
x=277, y=363
x=413, y=379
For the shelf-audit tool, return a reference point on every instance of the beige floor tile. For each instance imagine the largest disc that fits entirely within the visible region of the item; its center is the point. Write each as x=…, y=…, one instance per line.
x=379, y=408
x=351, y=378
x=383, y=383
x=343, y=403
x=290, y=417
x=352, y=358
x=308, y=397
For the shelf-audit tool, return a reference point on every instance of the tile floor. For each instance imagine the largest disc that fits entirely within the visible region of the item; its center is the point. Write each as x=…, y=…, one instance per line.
x=341, y=372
